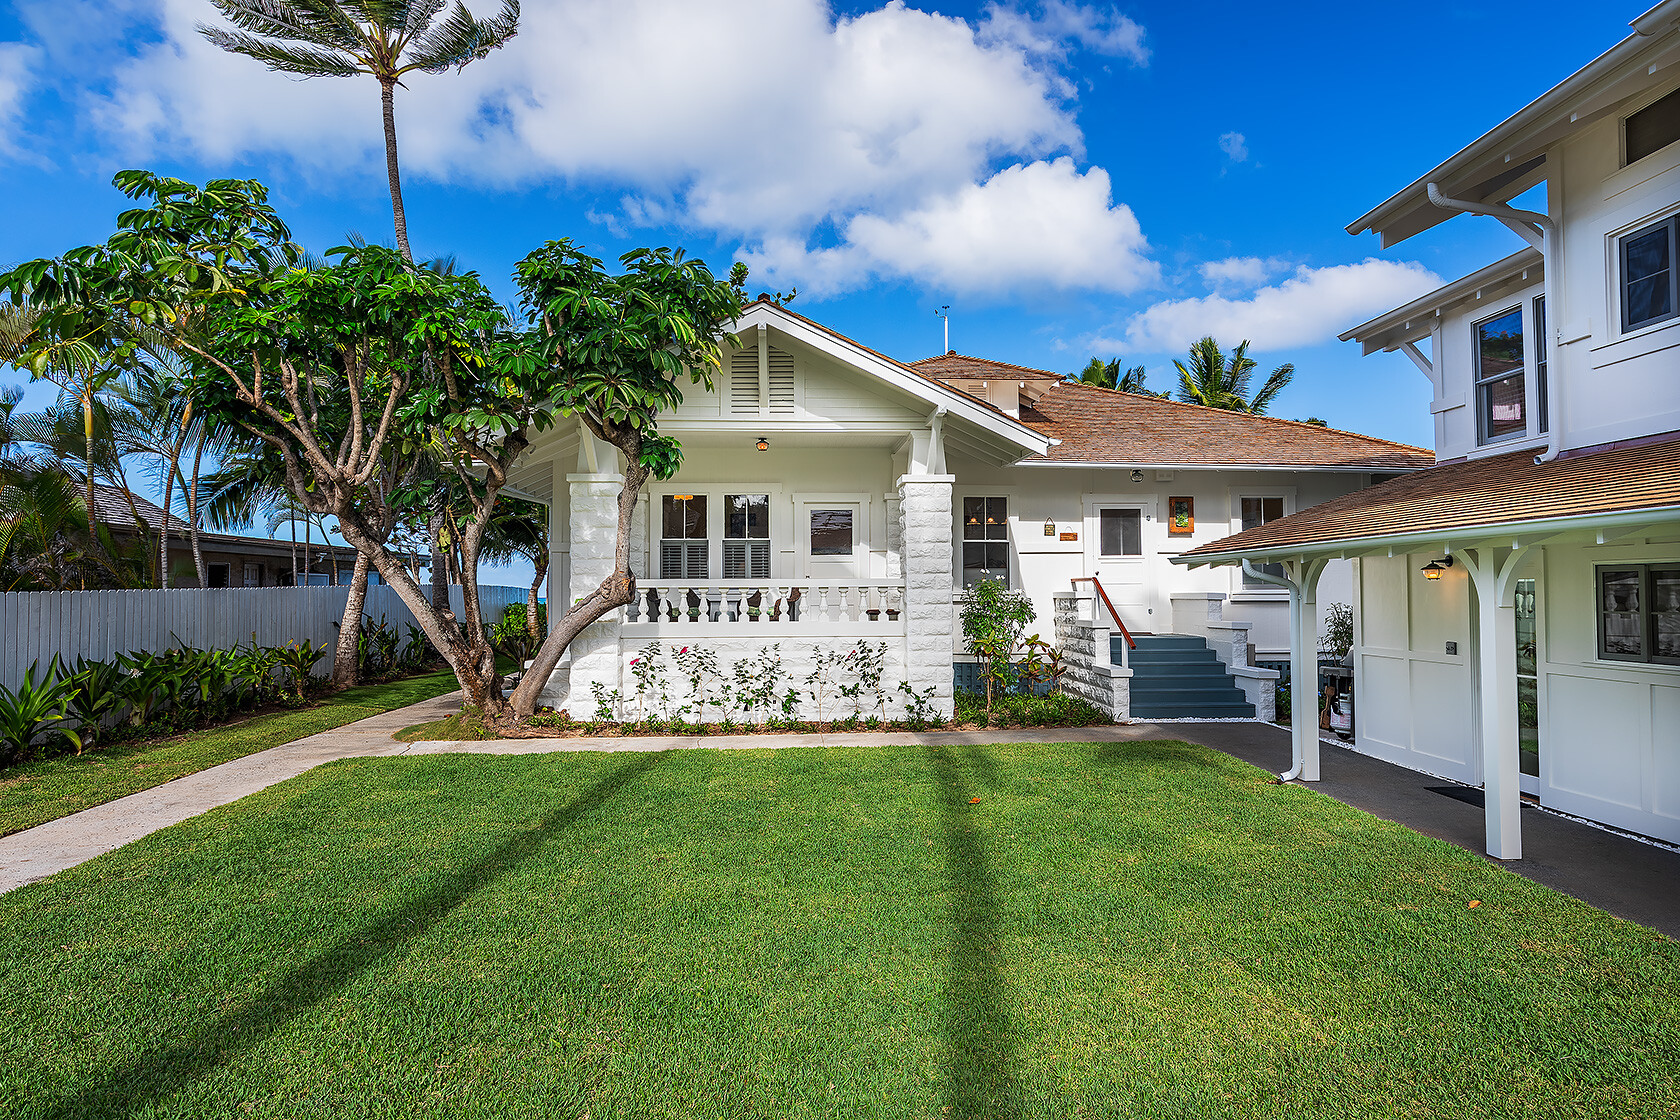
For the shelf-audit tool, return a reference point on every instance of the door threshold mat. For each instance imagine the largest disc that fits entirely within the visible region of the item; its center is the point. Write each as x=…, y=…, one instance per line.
x=1470, y=795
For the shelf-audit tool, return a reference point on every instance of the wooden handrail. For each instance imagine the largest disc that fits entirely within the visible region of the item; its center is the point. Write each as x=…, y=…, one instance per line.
x=1131, y=643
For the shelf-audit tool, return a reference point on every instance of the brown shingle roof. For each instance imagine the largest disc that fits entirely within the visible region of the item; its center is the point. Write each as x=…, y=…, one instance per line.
x=110, y=506
x=1499, y=490
x=1104, y=426
x=953, y=364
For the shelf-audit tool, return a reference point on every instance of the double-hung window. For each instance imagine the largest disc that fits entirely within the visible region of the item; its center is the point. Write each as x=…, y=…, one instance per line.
x=1650, y=292
x=682, y=537
x=1501, y=384
x=746, y=536
x=1639, y=613
x=985, y=540
x=1255, y=513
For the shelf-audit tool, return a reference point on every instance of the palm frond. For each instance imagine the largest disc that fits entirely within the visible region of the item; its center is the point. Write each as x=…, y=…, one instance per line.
x=314, y=62
x=462, y=38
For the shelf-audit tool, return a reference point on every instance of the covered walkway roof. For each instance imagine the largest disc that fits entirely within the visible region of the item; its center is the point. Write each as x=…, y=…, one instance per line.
x=1630, y=484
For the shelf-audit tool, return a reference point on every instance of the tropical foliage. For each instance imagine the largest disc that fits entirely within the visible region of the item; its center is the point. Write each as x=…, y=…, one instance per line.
x=1212, y=379
x=1108, y=375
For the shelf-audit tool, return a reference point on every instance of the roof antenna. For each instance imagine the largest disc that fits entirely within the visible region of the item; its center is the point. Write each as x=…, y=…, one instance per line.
x=944, y=312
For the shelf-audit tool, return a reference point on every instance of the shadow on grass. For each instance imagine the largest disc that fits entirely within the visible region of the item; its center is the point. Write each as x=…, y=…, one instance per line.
x=981, y=1063
x=151, y=1077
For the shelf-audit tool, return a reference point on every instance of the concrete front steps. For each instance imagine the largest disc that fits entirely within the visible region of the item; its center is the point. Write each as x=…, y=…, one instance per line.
x=1178, y=677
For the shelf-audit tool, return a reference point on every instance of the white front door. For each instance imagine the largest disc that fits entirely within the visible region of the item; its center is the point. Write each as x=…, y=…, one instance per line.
x=834, y=539
x=1114, y=554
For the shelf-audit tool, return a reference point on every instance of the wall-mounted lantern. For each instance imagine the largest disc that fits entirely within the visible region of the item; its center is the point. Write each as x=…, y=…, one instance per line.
x=1434, y=568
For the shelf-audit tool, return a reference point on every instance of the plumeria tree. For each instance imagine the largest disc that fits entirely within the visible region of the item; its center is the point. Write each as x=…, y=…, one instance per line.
x=353, y=374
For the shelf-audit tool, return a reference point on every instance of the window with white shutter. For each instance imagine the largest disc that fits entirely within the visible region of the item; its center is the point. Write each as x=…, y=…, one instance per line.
x=781, y=383
x=745, y=390
x=682, y=544
x=746, y=536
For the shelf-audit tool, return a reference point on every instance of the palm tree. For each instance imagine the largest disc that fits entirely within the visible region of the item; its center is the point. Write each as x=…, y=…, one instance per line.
x=1107, y=375
x=1217, y=382
x=520, y=528
x=382, y=38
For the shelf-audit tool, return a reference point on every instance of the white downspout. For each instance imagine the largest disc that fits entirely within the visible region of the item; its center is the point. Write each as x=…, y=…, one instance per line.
x=1296, y=759
x=1550, y=247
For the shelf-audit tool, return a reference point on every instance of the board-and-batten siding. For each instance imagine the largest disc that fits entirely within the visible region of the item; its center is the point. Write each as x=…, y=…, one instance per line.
x=98, y=625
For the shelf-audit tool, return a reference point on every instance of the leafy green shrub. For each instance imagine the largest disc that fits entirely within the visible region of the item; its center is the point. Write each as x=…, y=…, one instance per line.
x=510, y=634
x=1026, y=709
x=36, y=710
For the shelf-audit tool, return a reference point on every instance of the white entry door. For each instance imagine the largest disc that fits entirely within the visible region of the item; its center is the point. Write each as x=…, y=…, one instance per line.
x=834, y=539
x=1114, y=554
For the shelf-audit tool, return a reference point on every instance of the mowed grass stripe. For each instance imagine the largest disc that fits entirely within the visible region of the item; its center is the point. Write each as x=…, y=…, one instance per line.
x=1116, y=929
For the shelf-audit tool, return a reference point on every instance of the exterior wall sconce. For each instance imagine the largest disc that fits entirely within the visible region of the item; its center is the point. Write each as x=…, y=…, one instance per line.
x=1434, y=568
x=1137, y=476
x=763, y=444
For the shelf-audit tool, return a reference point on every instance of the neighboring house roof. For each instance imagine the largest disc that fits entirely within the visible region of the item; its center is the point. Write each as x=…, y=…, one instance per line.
x=1417, y=319
x=955, y=365
x=1499, y=492
x=1511, y=157
x=110, y=507
x=1104, y=426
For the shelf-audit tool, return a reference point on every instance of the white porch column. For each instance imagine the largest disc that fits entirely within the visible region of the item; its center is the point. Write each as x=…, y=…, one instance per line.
x=594, y=654
x=1303, y=663
x=1493, y=574
x=929, y=616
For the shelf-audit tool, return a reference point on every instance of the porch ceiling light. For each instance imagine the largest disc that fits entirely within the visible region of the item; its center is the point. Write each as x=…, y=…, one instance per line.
x=1137, y=476
x=763, y=444
x=1434, y=568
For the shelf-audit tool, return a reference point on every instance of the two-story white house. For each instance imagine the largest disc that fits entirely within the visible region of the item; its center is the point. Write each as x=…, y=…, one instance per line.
x=1518, y=605
x=830, y=495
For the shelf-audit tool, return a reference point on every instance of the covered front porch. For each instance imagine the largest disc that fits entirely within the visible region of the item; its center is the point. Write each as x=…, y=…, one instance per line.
x=1517, y=628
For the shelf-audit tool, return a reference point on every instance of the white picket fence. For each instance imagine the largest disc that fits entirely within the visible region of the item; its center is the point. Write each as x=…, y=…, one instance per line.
x=35, y=625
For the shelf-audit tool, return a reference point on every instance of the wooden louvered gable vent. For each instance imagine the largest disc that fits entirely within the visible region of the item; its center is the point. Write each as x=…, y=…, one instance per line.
x=744, y=387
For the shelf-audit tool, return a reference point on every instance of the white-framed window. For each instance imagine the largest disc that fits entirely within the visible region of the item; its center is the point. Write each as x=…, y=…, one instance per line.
x=1119, y=532
x=683, y=544
x=1650, y=278
x=1255, y=511
x=253, y=574
x=746, y=536
x=1540, y=363
x=985, y=540
x=1501, y=377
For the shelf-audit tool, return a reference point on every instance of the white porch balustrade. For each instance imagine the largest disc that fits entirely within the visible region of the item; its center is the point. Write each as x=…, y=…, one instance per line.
x=803, y=606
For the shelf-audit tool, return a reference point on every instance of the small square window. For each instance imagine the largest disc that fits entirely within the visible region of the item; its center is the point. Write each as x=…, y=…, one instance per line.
x=1649, y=292
x=1120, y=532
x=831, y=532
x=1639, y=613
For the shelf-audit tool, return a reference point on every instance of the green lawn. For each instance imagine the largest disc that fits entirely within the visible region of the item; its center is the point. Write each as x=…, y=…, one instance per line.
x=1113, y=930
x=37, y=792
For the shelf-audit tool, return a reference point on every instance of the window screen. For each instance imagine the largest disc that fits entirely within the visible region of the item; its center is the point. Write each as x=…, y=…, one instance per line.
x=831, y=532
x=1255, y=513
x=985, y=540
x=1501, y=391
x=746, y=537
x=1120, y=532
x=1654, y=127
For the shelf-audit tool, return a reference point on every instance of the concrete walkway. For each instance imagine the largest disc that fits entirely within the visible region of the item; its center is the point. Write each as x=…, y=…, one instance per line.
x=1629, y=878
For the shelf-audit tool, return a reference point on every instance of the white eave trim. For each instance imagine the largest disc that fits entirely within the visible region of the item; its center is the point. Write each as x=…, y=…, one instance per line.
x=931, y=392
x=1292, y=468
x=1417, y=319
x=1511, y=532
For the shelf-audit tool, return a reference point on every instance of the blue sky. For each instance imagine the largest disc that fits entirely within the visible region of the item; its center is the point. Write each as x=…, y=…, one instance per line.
x=1070, y=179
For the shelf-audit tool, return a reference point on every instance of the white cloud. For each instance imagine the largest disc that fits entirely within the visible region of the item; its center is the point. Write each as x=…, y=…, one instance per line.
x=1040, y=225
x=1240, y=272
x=1059, y=24
x=1235, y=146
x=762, y=120
x=17, y=77
x=1309, y=308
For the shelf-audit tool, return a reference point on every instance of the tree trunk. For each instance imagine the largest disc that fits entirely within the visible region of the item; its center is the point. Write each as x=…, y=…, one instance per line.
x=532, y=625
x=192, y=517
x=615, y=591
x=387, y=97
x=440, y=568
x=163, y=537
x=347, y=667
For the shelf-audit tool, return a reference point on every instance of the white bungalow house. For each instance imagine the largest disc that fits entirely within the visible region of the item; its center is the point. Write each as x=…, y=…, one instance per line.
x=1518, y=605
x=831, y=495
